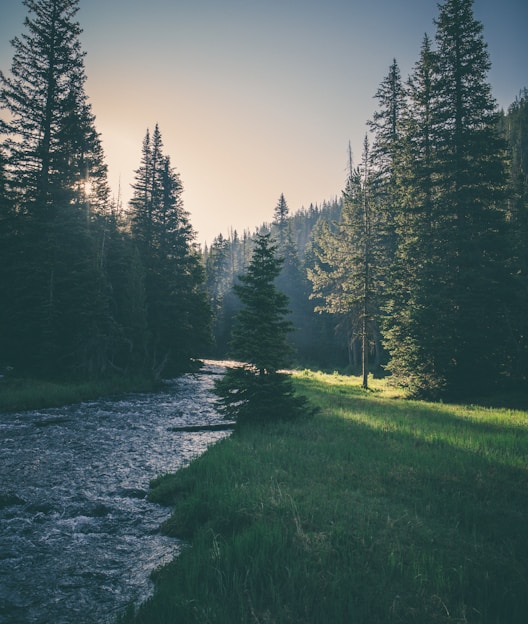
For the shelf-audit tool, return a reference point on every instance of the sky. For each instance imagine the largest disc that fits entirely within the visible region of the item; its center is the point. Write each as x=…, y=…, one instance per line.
x=255, y=98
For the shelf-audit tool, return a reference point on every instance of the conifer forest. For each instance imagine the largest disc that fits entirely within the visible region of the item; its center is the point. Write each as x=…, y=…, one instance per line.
x=417, y=268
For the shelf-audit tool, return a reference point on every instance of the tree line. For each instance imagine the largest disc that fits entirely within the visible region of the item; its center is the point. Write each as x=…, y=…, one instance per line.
x=420, y=269
x=87, y=288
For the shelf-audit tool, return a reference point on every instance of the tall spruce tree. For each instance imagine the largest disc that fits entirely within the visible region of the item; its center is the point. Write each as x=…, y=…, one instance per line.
x=257, y=390
x=470, y=206
x=384, y=153
x=410, y=304
x=454, y=325
x=346, y=276
x=515, y=125
x=178, y=312
x=56, y=178
x=385, y=123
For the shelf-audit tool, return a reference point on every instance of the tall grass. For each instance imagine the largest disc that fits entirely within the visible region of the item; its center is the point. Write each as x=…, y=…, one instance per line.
x=23, y=394
x=377, y=510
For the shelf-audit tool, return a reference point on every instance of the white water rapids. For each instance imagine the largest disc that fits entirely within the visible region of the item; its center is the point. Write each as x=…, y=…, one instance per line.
x=78, y=539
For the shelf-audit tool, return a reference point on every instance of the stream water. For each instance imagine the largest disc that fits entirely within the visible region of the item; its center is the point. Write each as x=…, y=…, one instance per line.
x=78, y=539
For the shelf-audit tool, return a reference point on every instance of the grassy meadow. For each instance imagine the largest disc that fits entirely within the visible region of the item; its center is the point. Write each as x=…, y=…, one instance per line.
x=376, y=510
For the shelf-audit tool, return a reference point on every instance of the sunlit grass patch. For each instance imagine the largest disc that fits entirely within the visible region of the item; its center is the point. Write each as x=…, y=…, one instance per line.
x=499, y=433
x=329, y=383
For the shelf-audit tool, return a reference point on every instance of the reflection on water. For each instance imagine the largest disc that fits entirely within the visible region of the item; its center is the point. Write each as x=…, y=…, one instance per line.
x=78, y=539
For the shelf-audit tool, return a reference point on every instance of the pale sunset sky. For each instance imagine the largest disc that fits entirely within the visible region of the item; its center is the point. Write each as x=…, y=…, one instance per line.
x=255, y=98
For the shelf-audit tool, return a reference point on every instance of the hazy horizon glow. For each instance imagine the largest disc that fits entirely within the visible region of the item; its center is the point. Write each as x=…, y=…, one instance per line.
x=255, y=98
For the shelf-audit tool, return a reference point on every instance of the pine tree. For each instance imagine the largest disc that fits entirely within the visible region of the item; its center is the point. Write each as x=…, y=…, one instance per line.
x=451, y=328
x=515, y=128
x=56, y=178
x=410, y=306
x=346, y=276
x=257, y=390
x=280, y=220
x=470, y=206
x=47, y=63
x=385, y=124
x=384, y=155
x=177, y=309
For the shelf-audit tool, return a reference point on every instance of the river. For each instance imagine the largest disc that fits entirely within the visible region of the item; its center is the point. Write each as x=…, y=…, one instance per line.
x=78, y=539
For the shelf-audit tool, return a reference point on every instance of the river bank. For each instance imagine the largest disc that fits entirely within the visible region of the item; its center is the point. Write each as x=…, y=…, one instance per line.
x=24, y=394
x=376, y=510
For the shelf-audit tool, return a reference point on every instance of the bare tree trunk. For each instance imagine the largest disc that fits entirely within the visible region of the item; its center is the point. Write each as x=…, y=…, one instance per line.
x=364, y=349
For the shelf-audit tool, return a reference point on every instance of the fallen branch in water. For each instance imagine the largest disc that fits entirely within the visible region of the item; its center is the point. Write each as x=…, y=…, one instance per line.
x=218, y=427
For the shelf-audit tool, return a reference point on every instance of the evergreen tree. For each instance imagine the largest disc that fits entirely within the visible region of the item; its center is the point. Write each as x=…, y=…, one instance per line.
x=515, y=127
x=292, y=280
x=384, y=155
x=385, y=124
x=281, y=218
x=224, y=261
x=126, y=273
x=346, y=276
x=47, y=60
x=330, y=340
x=257, y=390
x=409, y=298
x=470, y=205
x=56, y=178
x=218, y=272
x=313, y=337
x=177, y=309
x=454, y=319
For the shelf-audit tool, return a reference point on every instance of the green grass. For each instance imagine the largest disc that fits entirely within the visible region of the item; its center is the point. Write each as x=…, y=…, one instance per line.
x=23, y=394
x=376, y=510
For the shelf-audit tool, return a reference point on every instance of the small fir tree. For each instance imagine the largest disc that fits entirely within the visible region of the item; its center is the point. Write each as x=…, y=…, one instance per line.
x=281, y=218
x=257, y=390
